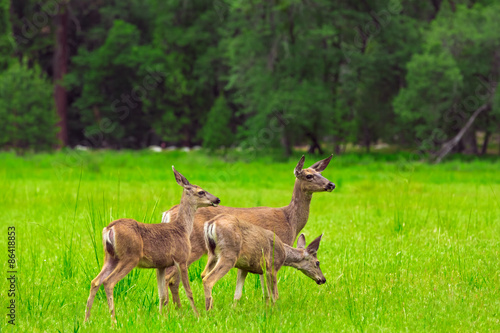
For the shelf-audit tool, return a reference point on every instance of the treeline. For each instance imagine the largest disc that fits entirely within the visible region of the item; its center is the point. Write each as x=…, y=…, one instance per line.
x=261, y=73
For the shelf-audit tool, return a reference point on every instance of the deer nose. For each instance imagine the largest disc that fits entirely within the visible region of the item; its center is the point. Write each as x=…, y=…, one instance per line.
x=330, y=186
x=217, y=201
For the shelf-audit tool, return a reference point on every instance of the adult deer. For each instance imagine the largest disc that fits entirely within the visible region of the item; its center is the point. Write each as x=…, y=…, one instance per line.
x=128, y=244
x=286, y=222
x=250, y=248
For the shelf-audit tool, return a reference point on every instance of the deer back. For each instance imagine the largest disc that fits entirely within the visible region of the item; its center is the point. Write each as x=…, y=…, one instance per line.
x=265, y=217
x=253, y=247
x=156, y=245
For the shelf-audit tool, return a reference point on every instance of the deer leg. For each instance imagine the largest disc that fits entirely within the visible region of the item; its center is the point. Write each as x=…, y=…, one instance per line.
x=211, y=261
x=173, y=281
x=172, y=276
x=239, y=284
x=162, y=289
x=275, y=286
x=183, y=271
x=270, y=284
x=108, y=267
x=221, y=268
x=121, y=270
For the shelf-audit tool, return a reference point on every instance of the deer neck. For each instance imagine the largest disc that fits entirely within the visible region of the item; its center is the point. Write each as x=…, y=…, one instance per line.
x=293, y=256
x=298, y=209
x=185, y=217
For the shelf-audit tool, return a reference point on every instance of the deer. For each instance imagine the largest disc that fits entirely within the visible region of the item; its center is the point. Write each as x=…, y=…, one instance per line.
x=286, y=222
x=232, y=242
x=129, y=244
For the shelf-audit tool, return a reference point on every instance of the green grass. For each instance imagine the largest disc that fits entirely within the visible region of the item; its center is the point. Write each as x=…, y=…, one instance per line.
x=406, y=246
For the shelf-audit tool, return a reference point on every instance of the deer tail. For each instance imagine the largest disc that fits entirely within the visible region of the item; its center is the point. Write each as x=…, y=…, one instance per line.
x=108, y=238
x=210, y=236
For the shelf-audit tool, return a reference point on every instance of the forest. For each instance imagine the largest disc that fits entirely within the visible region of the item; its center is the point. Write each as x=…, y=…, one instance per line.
x=265, y=74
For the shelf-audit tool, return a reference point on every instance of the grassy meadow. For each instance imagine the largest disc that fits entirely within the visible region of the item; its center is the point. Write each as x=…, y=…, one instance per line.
x=406, y=246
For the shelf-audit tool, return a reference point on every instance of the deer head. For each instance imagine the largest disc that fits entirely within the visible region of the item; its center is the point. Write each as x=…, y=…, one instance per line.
x=309, y=263
x=194, y=193
x=311, y=179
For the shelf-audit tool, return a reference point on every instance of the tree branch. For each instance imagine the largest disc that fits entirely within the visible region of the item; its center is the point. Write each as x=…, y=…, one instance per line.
x=448, y=146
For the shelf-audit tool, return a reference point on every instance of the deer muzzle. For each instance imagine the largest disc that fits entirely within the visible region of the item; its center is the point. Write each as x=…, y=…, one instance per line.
x=321, y=281
x=330, y=187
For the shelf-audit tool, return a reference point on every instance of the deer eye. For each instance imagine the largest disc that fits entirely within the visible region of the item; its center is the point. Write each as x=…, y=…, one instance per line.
x=317, y=263
x=201, y=193
x=309, y=176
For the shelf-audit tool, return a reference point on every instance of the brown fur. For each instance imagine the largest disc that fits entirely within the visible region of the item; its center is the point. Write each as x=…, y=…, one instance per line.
x=286, y=222
x=253, y=249
x=130, y=244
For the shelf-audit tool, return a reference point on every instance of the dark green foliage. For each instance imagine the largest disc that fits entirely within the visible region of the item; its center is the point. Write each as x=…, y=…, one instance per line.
x=455, y=74
x=114, y=81
x=321, y=73
x=421, y=106
x=26, y=109
x=187, y=38
x=5, y=31
x=217, y=129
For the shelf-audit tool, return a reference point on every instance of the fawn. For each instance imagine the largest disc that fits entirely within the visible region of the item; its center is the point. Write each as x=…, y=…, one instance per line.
x=232, y=242
x=128, y=244
x=286, y=222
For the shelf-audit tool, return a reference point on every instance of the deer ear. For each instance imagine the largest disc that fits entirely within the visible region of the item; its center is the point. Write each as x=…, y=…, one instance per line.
x=301, y=242
x=312, y=248
x=181, y=180
x=321, y=165
x=300, y=165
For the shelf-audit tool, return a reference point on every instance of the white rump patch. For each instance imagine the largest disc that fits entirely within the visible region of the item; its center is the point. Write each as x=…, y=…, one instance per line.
x=105, y=235
x=211, y=232
x=165, y=217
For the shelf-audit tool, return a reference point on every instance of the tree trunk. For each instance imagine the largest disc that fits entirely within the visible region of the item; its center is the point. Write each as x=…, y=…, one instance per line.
x=448, y=146
x=470, y=142
x=436, y=4
x=337, y=145
x=187, y=137
x=460, y=147
x=285, y=142
x=367, y=140
x=314, y=145
x=60, y=66
x=453, y=5
x=499, y=145
x=484, y=148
